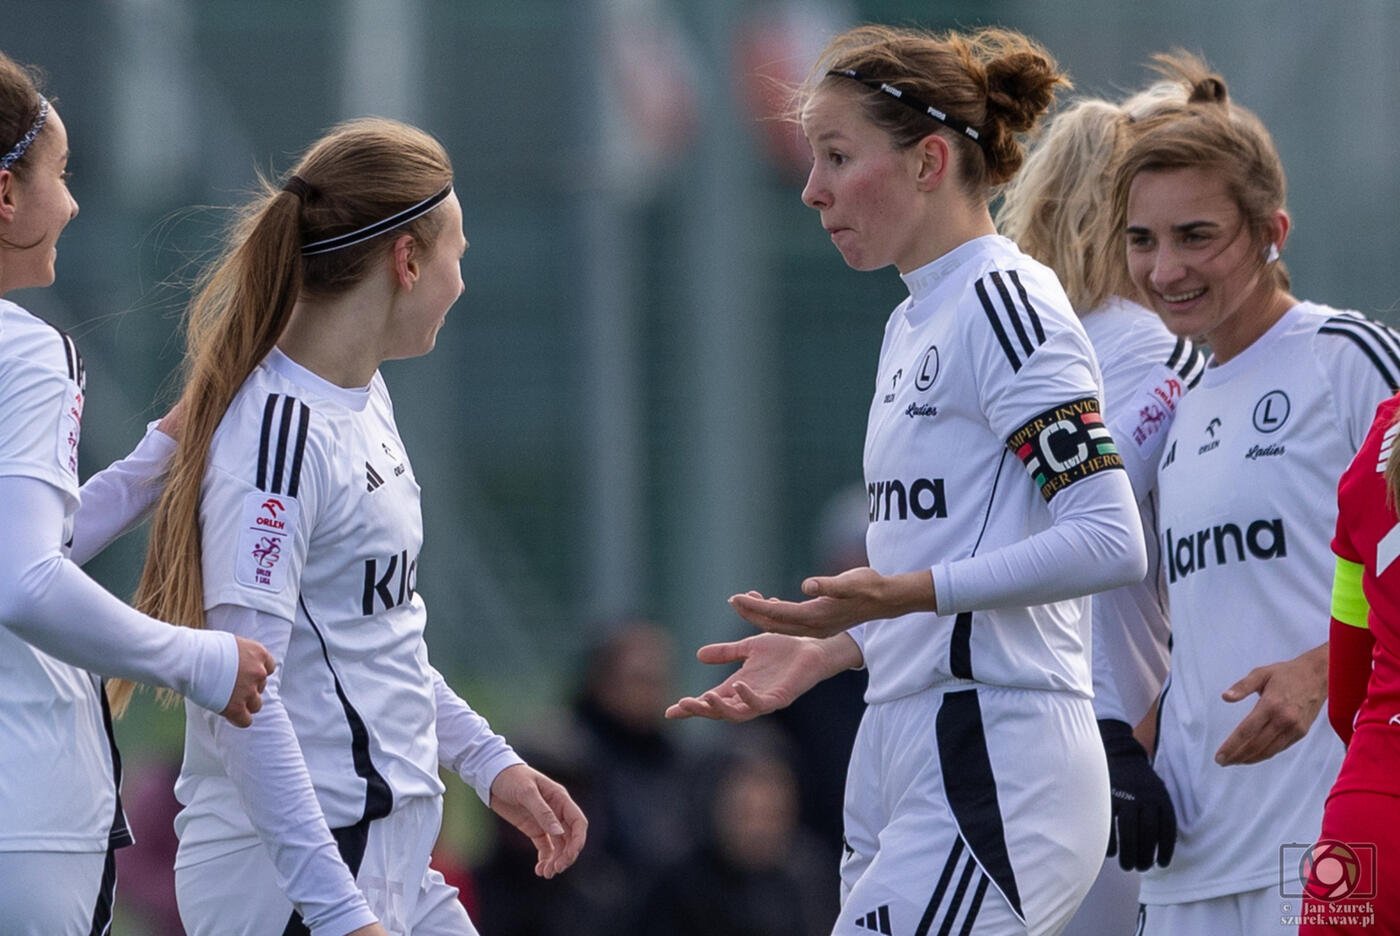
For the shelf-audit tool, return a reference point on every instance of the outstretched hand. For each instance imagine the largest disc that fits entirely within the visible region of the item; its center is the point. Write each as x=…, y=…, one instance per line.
x=838, y=602
x=255, y=664
x=775, y=670
x=544, y=811
x=1291, y=694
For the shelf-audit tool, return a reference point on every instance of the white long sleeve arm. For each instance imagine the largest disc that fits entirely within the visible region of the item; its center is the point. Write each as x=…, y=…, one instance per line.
x=120, y=496
x=466, y=744
x=1094, y=543
x=50, y=603
x=267, y=768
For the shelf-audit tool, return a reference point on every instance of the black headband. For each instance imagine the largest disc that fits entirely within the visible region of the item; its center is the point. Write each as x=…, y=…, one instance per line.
x=398, y=220
x=910, y=101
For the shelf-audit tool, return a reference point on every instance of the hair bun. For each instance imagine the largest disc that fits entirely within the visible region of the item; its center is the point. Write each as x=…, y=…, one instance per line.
x=1209, y=90
x=1020, y=89
x=1020, y=79
x=1189, y=70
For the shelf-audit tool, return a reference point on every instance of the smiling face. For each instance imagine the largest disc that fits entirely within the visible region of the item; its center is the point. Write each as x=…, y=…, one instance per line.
x=1196, y=261
x=35, y=207
x=865, y=188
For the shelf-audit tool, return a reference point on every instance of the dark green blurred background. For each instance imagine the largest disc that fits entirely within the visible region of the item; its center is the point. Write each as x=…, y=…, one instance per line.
x=660, y=370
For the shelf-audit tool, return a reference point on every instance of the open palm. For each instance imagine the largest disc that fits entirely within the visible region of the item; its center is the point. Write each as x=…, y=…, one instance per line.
x=775, y=670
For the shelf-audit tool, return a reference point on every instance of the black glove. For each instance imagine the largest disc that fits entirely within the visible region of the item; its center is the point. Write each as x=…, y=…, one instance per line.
x=1143, y=819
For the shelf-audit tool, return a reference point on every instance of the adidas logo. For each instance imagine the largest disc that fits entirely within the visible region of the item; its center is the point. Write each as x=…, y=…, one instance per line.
x=877, y=921
x=372, y=478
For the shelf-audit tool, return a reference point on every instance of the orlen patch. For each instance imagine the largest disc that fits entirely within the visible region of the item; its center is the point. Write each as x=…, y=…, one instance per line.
x=70, y=426
x=265, y=540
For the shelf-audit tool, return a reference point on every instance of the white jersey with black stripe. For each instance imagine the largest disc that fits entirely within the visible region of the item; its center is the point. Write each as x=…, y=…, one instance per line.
x=58, y=786
x=310, y=512
x=1146, y=371
x=983, y=368
x=1248, y=505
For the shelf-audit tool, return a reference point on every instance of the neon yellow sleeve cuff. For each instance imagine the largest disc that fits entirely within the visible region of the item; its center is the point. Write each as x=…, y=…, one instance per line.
x=1348, y=600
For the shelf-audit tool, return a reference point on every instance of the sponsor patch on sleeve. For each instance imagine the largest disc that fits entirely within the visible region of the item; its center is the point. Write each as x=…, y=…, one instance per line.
x=265, y=539
x=70, y=427
x=1153, y=404
x=1065, y=444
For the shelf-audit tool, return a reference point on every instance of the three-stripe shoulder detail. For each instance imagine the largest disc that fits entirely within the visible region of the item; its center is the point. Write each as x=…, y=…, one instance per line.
x=1013, y=317
x=1188, y=361
x=71, y=358
x=282, y=444
x=1379, y=343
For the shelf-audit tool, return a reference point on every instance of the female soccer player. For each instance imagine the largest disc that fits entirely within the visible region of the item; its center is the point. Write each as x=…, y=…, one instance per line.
x=60, y=814
x=1059, y=209
x=1245, y=509
x=977, y=795
x=292, y=515
x=1360, y=825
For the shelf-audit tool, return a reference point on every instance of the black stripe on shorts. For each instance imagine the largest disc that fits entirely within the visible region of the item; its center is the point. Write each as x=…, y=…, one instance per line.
x=106, y=896
x=962, y=865
x=971, y=789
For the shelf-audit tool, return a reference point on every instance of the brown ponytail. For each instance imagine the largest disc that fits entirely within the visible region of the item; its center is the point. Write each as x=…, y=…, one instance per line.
x=361, y=172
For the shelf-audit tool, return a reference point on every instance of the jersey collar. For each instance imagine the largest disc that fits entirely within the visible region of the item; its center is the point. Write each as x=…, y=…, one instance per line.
x=1216, y=374
x=356, y=398
x=923, y=281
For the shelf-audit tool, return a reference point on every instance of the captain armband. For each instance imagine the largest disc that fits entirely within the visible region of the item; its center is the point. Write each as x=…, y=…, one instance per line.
x=1065, y=444
x=1349, y=604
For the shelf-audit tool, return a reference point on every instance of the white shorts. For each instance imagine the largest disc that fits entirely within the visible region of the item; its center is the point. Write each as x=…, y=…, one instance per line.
x=1261, y=912
x=973, y=809
x=237, y=894
x=56, y=893
x=1111, y=906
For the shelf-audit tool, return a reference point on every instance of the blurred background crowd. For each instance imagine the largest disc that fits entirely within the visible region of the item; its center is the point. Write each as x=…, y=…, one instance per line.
x=651, y=395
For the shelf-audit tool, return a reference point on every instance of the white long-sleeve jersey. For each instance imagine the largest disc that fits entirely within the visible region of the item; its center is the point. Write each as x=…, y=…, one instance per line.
x=58, y=628
x=987, y=461
x=311, y=532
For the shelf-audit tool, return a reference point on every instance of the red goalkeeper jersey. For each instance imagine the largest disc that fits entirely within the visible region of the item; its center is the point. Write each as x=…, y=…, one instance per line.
x=1368, y=535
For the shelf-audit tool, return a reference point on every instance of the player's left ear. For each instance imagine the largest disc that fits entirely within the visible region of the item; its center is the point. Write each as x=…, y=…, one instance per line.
x=7, y=195
x=934, y=158
x=404, y=261
x=1279, y=226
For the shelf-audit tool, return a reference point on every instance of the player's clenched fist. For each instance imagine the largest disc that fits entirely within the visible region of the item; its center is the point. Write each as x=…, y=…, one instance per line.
x=255, y=664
